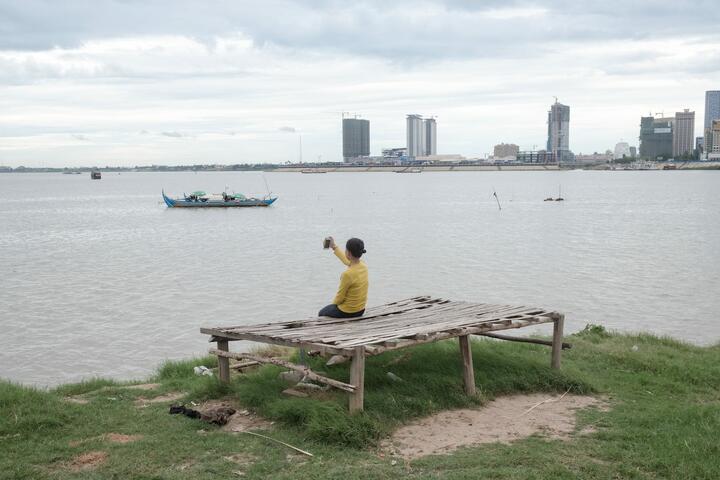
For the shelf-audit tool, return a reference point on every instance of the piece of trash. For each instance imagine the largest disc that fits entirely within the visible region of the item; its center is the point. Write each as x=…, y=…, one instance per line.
x=634, y=348
x=218, y=415
x=394, y=377
x=393, y=463
x=203, y=370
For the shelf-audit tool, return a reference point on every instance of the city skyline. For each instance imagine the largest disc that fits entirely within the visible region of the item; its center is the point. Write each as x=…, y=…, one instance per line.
x=159, y=83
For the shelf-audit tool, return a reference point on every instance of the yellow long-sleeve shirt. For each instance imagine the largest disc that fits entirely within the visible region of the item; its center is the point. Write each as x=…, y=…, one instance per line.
x=351, y=296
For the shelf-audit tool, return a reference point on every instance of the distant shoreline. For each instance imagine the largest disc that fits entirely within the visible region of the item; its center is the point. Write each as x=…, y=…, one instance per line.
x=339, y=168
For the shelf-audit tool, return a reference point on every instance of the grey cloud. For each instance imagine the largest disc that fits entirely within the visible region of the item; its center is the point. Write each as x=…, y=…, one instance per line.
x=402, y=30
x=173, y=134
x=287, y=129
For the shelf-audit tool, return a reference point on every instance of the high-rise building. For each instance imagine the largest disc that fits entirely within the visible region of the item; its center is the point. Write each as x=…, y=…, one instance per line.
x=633, y=152
x=356, y=138
x=700, y=144
x=430, y=127
x=558, y=142
x=683, y=133
x=415, y=136
x=712, y=112
x=656, y=137
x=506, y=150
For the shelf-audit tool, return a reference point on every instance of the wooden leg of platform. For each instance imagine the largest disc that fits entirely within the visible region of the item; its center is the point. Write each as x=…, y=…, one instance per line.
x=223, y=362
x=357, y=378
x=557, y=341
x=468, y=373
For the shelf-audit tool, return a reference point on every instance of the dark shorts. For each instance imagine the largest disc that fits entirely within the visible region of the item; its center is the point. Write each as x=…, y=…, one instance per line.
x=332, y=310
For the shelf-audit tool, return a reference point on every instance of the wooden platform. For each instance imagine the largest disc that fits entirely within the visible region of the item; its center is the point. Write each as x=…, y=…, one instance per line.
x=387, y=327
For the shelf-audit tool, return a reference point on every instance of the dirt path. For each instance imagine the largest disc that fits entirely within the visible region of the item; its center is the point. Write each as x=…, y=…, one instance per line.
x=503, y=420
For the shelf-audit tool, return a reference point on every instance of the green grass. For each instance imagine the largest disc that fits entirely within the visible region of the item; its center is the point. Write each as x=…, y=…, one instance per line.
x=664, y=420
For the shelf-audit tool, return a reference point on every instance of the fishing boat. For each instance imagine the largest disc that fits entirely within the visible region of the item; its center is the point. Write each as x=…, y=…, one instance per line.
x=95, y=175
x=201, y=199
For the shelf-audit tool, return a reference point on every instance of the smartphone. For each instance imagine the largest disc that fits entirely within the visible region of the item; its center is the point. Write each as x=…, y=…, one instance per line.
x=326, y=243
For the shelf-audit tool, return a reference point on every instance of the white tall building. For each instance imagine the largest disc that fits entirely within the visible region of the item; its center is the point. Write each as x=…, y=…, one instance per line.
x=421, y=136
x=415, y=136
x=430, y=136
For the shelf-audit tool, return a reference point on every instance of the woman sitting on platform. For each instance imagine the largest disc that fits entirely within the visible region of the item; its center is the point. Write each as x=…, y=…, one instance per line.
x=351, y=296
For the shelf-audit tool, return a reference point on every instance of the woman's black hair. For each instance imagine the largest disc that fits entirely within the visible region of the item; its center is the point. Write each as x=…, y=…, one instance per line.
x=356, y=247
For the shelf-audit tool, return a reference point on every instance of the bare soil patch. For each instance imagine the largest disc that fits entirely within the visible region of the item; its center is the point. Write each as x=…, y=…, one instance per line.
x=77, y=400
x=122, y=438
x=87, y=461
x=503, y=420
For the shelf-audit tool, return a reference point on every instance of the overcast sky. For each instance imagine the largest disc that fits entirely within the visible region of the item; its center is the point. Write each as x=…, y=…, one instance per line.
x=129, y=82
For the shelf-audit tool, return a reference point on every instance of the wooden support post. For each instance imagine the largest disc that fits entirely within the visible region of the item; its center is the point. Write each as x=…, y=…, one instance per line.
x=357, y=378
x=557, y=341
x=223, y=362
x=468, y=373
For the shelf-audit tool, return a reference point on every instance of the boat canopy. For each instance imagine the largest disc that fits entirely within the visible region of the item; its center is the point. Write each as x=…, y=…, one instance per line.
x=238, y=196
x=199, y=193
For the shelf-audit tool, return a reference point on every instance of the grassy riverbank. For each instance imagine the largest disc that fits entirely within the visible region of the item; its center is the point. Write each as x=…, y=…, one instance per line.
x=663, y=420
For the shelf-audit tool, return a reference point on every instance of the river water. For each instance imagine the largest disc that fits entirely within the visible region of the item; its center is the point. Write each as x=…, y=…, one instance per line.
x=99, y=278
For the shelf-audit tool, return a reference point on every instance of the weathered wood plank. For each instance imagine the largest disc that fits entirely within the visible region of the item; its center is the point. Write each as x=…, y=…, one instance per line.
x=277, y=361
x=223, y=362
x=557, y=341
x=357, y=378
x=468, y=372
x=565, y=346
x=274, y=341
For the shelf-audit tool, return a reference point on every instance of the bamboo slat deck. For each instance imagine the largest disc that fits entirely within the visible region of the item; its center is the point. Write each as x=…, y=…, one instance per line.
x=388, y=327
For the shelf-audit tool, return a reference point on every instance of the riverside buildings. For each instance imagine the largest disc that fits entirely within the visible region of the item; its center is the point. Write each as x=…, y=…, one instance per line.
x=712, y=112
x=421, y=136
x=558, y=141
x=356, y=138
x=667, y=137
x=622, y=150
x=684, y=134
x=713, y=153
x=656, y=137
x=506, y=151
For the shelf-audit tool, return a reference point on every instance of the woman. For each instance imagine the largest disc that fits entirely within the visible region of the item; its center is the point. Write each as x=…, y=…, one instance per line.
x=351, y=296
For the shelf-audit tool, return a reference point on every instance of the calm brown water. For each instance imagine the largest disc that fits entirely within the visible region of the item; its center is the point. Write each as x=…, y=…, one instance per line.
x=101, y=279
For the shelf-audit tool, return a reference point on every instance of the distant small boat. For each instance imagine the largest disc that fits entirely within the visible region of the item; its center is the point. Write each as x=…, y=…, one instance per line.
x=201, y=199
x=71, y=172
x=312, y=170
x=549, y=199
x=670, y=166
x=95, y=175
x=409, y=170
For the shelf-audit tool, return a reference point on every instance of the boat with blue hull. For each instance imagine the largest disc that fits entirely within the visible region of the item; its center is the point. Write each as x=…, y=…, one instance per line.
x=225, y=200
